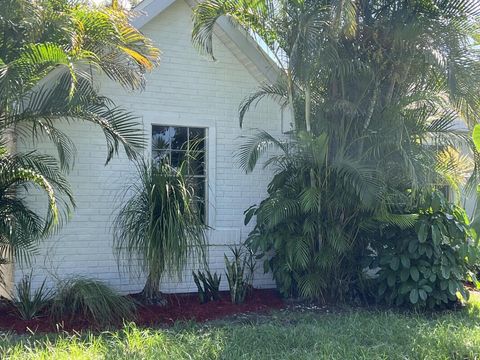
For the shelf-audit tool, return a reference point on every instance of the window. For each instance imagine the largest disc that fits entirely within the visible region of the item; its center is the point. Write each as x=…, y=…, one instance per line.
x=171, y=143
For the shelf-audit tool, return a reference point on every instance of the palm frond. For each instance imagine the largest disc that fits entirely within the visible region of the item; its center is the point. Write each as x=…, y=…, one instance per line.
x=255, y=146
x=277, y=92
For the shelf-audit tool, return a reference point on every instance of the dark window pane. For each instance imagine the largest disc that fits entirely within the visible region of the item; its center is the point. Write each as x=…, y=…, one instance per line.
x=160, y=155
x=198, y=185
x=179, y=138
x=197, y=163
x=197, y=138
x=178, y=157
x=161, y=137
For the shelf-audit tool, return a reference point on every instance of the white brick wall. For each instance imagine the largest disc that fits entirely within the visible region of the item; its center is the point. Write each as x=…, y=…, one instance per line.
x=185, y=90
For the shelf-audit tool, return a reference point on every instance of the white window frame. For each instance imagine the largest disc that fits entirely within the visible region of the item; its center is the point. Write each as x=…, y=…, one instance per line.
x=155, y=119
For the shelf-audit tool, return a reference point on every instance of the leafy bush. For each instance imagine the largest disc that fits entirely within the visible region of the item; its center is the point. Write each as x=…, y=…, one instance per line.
x=208, y=285
x=239, y=273
x=426, y=265
x=27, y=304
x=91, y=299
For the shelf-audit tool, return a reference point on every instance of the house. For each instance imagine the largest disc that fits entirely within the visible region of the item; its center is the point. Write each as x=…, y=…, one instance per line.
x=187, y=95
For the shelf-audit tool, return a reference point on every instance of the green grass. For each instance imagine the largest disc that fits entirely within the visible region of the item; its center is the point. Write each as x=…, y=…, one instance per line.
x=348, y=334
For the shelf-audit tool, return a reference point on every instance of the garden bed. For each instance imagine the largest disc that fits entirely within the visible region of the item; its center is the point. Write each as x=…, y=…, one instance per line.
x=180, y=307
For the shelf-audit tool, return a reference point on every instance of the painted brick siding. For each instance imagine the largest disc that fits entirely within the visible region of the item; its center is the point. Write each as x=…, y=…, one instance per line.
x=187, y=90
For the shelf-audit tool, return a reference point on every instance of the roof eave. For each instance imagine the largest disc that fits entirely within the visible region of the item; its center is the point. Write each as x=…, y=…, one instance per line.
x=150, y=9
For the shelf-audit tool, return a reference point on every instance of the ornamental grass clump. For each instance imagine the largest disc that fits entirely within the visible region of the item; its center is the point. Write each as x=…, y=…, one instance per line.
x=92, y=300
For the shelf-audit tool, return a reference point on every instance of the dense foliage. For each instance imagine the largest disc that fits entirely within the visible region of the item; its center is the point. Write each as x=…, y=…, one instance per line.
x=426, y=266
x=159, y=226
x=382, y=96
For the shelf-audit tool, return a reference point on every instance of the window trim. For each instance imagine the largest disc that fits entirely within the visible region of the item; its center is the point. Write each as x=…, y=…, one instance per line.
x=210, y=156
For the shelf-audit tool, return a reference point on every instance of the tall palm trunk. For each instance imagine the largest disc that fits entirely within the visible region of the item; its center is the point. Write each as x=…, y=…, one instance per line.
x=6, y=270
x=308, y=107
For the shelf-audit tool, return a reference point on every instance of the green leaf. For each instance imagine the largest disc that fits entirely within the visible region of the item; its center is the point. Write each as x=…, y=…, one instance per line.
x=476, y=137
x=436, y=203
x=427, y=288
x=405, y=261
x=249, y=213
x=395, y=263
x=429, y=251
x=404, y=289
x=381, y=289
x=422, y=232
x=445, y=272
x=452, y=287
x=423, y=294
x=414, y=296
x=414, y=273
x=412, y=246
x=436, y=234
x=404, y=274
x=266, y=266
x=391, y=280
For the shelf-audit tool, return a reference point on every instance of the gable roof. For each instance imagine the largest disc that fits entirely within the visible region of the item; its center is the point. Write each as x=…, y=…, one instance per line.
x=237, y=40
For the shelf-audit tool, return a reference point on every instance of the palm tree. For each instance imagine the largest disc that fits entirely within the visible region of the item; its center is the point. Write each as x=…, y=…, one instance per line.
x=308, y=224
x=20, y=226
x=159, y=227
x=51, y=54
x=377, y=89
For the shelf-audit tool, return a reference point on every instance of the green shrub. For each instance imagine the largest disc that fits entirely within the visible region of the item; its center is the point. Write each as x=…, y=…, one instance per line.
x=208, y=285
x=28, y=304
x=91, y=299
x=426, y=265
x=239, y=273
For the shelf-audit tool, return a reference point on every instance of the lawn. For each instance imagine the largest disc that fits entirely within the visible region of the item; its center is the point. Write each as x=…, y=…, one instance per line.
x=292, y=334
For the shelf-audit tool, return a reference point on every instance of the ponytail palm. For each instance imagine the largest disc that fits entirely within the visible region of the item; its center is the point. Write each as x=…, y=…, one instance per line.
x=159, y=228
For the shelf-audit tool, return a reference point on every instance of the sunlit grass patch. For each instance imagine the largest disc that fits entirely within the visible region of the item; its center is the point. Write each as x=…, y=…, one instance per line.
x=311, y=334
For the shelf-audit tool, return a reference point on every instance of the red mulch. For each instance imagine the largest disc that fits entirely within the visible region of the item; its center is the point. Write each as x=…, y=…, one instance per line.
x=180, y=307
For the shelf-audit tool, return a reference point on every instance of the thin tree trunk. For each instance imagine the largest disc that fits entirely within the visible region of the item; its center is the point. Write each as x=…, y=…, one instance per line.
x=373, y=103
x=290, y=98
x=6, y=270
x=308, y=107
x=391, y=89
